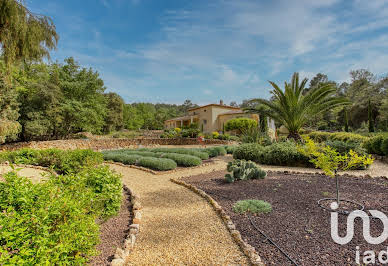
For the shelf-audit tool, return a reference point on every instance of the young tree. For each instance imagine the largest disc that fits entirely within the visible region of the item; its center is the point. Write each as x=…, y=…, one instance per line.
x=293, y=107
x=371, y=125
x=332, y=162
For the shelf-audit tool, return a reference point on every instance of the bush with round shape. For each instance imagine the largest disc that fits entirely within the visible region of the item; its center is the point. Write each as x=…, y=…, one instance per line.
x=182, y=159
x=252, y=206
x=344, y=147
x=243, y=170
x=249, y=152
x=240, y=124
x=159, y=164
x=374, y=145
x=194, y=152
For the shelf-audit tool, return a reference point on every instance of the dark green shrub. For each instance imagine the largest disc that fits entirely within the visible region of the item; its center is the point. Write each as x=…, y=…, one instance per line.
x=230, y=149
x=190, y=133
x=215, y=151
x=374, y=145
x=182, y=159
x=160, y=164
x=384, y=146
x=249, y=152
x=252, y=206
x=318, y=136
x=284, y=153
x=344, y=147
x=243, y=170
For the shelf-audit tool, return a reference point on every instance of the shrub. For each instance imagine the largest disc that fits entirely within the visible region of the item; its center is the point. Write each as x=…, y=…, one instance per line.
x=215, y=135
x=374, y=145
x=182, y=159
x=194, y=152
x=281, y=153
x=215, y=151
x=243, y=170
x=240, y=124
x=160, y=164
x=319, y=136
x=384, y=146
x=178, y=130
x=60, y=160
x=230, y=149
x=53, y=222
x=249, y=152
x=252, y=206
x=254, y=135
x=190, y=133
x=129, y=159
x=284, y=153
x=344, y=147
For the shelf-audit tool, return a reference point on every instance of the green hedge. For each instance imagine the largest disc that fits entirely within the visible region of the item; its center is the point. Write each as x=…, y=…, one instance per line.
x=214, y=151
x=160, y=164
x=230, y=149
x=344, y=147
x=69, y=161
x=377, y=145
x=318, y=136
x=282, y=153
x=54, y=222
x=182, y=159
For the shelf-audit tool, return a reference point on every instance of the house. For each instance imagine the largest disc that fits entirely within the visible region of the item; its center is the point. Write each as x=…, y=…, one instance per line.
x=210, y=117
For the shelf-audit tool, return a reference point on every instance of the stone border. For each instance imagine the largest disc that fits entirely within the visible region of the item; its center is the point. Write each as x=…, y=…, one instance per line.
x=122, y=254
x=51, y=171
x=159, y=172
x=247, y=249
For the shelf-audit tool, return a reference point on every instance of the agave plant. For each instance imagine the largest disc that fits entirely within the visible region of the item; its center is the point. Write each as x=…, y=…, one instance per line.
x=295, y=105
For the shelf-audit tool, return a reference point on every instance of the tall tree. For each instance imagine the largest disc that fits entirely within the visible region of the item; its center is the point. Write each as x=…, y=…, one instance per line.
x=24, y=35
x=114, y=115
x=293, y=106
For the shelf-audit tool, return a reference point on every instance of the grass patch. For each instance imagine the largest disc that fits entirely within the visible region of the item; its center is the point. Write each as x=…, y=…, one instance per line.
x=252, y=206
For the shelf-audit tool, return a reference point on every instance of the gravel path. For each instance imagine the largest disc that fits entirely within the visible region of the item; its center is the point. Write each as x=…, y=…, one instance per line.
x=36, y=175
x=178, y=226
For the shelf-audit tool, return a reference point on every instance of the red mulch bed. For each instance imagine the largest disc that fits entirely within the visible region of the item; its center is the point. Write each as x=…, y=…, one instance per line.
x=113, y=232
x=297, y=224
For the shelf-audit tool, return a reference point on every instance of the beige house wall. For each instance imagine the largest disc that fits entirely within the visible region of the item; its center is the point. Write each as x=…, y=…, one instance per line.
x=211, y=118
x=222, y=119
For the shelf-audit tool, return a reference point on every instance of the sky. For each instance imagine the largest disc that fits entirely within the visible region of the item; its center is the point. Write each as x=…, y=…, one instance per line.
x=207, y=50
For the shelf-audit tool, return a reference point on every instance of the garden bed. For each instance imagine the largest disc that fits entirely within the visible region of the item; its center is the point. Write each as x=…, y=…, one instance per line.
x=113, y=232
x=297, y=224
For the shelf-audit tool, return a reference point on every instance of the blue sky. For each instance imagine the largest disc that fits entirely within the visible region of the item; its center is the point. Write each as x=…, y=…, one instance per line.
x=172, y=50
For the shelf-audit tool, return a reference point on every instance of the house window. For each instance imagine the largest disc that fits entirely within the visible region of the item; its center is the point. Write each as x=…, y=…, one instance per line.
x=204, y=121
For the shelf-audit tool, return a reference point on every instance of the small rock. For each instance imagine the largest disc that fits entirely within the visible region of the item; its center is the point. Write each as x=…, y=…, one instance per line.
x=117, y=262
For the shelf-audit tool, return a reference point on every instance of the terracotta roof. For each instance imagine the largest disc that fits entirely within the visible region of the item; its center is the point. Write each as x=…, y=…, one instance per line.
x=214, y=104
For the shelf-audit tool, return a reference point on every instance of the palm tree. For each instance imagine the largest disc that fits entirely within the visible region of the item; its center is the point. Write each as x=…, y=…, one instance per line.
x=294, y=106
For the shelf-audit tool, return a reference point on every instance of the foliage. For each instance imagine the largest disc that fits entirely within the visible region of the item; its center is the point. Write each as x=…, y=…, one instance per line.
x=61, y=161
x=243, y=170
x=160, y=164
x=115, y=112
x=215, y=135
x=230, y=149
x=282, y=153
x=377, y=145
x=194, y=152
x=240, y=124
x=319, y=136
x=214, y=151
x=252, y=206
x=24, y=35
x=53, y=222
x=182, y=159
x=344, y=147
x=294, y=106
x=255, y=135
x=9, y=112
x=331, y=161
x=371, y=125
x=190, y=133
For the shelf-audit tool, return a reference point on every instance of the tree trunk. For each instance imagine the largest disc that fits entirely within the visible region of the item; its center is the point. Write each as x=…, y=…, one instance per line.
x=294, y=136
